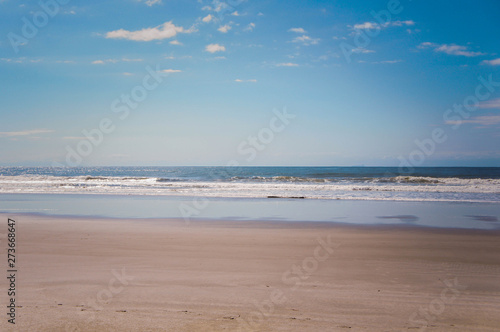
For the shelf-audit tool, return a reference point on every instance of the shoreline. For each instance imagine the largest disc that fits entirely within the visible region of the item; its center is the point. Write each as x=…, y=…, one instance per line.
x=482, y=215
x=256, y=223
x=263, y=197
x=156, y=274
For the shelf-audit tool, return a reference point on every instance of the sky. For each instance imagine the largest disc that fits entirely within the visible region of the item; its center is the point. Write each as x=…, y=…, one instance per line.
x=241, y=82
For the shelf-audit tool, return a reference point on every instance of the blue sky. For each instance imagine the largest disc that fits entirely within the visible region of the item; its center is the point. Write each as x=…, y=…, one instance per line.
x=387, y=83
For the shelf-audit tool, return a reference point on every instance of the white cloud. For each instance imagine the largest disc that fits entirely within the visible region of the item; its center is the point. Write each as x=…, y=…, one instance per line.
x=243, y=81
x=456, y=50
x=212, y=48
x=402, y=23
x=207, y=18
x=151, y=2
x=367, y=25
x=484, y=120
x=426, y=44
x=175, y=42
x=170, y=71
x=249, y=27
x=220, y=5
x=175, y=58
x=25, y=132
x=127, y=74
x=450, y=49
x=217, y=6
x=18, y=60
x=163, y=31
x=22, y=60
x=224, y=28
x=373, y=25
x=362, y=50
x=306, y=40
x=388, y=61
x=235, y=13
x=297, y=30
x=101, y=62
x=494, y=62
x=287, y=64
x=494, y=103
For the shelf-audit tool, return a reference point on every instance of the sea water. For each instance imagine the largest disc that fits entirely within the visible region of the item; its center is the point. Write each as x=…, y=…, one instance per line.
x=431, y=196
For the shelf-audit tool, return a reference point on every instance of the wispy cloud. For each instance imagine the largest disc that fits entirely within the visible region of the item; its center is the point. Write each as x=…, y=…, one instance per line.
x=483, y=120
x=306, y=40
x=249, y=27
x=401, y=23
x=287, y=64
x=18, y=60
x=151, y=2
x=297, y=30
x=366, y=26
x=175, y=42
x=451, y=49
x=224, y=28
x=170, y=71
x=207, y=18
x=243, y=81
x=494, y=103
x=220, y=5
x=494, y=62
x=27, y=60
x=362, y=50
x=212, y=48
x=163, y=31
x=102, y=62
x=25, y=132
x=387, y=62
x=374, y=25
x=178, y=58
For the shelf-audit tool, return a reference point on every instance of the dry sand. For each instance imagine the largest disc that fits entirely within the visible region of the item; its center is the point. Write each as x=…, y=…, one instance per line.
x=81, y=274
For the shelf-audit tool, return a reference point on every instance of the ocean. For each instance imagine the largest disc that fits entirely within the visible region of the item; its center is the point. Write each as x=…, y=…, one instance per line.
x=449, y=197
x=450, y=184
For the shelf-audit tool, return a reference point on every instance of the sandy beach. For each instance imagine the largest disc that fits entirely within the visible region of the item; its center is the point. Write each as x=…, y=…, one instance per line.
x=82, y=274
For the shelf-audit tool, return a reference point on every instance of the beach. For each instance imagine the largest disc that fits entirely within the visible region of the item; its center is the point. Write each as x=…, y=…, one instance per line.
x=98, y=274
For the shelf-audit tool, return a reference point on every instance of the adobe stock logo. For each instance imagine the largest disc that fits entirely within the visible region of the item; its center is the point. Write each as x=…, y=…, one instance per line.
x=40, y=19
x=122, y=108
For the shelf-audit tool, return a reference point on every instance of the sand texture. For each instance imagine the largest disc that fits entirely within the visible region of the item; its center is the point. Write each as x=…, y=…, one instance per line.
x=82, y=274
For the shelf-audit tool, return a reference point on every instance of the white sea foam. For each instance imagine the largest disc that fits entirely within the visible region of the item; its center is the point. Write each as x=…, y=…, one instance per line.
x=405, y=188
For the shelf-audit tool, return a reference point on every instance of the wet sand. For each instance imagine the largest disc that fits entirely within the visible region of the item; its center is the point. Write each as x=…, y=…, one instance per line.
x=88, y=274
